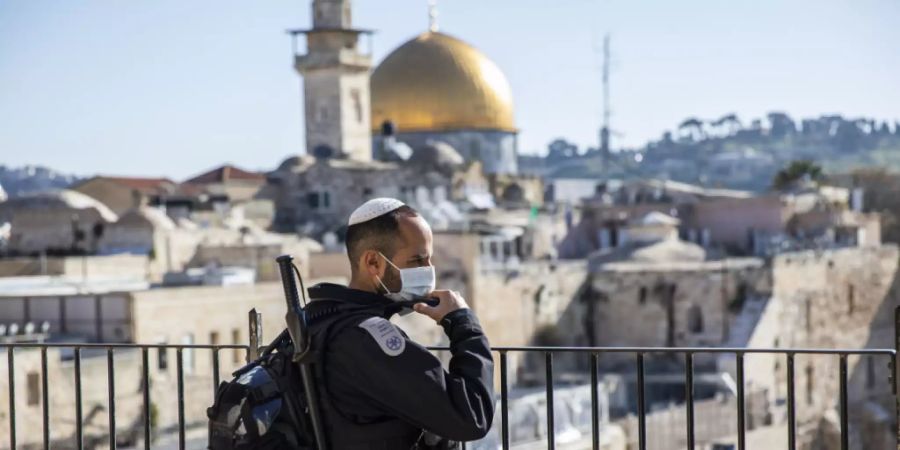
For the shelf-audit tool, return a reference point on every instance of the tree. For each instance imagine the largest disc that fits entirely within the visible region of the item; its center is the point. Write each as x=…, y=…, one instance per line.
x=797, y=171
x=848, y=137
x=693, y=126
x=780, y=124
x=561, y=149
x=728, y=123
x=733, y=123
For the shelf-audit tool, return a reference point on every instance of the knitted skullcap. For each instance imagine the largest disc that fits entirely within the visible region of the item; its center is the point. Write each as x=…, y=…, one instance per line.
x=374, y=208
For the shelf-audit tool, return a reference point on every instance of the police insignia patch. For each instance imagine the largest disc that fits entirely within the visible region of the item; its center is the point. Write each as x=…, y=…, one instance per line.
x=385, y=334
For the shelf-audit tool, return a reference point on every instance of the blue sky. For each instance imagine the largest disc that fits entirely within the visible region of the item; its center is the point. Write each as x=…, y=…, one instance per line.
x=173, y=87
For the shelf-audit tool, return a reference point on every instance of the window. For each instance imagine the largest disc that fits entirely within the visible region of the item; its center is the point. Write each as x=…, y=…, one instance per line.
x=809, y=384
x=162, y=358
x=357, y=103
x=34, y=388
x=318, y=200
x=237, y=354
x=809, y=316
x=695, y=319
x=312, y=199
x=213, y=338
x=322, y=111
x=642, y=295
x=851, y=299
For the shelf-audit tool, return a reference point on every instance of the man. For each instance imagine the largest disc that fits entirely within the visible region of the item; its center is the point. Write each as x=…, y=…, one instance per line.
x=382, y=390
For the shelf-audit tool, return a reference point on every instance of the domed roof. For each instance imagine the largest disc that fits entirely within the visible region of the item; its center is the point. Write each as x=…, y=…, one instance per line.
x=295, y=161
x=436, y=82
x=667, y=251
x=52, y=199
x=437, y=155
x=146, y=214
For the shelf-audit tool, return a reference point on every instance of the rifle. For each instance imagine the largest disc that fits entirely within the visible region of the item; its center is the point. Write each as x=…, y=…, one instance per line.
x=297, y=328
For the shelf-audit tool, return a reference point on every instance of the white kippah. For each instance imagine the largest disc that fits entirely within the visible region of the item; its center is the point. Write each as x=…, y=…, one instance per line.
x=374, y=208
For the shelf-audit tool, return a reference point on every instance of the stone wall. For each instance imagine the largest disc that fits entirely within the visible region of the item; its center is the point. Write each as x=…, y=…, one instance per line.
x=662, y=305
x=123, y=266
x=329, y=265
x=837, y=299
x=260, y=257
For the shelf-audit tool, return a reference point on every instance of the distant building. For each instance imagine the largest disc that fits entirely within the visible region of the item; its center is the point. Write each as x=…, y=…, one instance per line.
x=737, y=222
x=122, y=193
x=56, y=222
x=226, y=195
x=316, y=196
x=237, y=184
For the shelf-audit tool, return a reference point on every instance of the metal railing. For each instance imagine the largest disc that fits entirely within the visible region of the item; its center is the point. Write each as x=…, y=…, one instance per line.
x=110, y=349
x=688, y=354
x=592, y=353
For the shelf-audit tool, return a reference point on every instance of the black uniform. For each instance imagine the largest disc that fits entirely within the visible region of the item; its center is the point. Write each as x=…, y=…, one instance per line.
x=381, y=390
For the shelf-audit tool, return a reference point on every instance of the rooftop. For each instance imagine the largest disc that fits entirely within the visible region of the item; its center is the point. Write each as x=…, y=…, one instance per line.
x=68, y=285
x=225, y=174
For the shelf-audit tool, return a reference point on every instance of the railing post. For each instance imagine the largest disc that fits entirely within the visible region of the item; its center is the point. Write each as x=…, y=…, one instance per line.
x=255, y=335
x=895, y=372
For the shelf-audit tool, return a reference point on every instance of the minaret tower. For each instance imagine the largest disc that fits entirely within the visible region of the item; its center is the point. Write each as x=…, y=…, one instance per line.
x=335, y=83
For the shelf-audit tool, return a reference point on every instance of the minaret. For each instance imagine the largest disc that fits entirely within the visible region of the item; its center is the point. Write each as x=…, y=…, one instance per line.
x=335, y=83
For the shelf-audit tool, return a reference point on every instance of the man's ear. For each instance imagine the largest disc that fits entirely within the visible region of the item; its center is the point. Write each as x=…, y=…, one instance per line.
x=372, y=263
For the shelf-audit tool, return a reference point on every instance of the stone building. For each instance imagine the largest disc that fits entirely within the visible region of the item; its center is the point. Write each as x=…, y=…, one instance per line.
x=121, y=193
x=56, y=222
x=237, y=184
x=734, y=221
x=223, y=194
x=317, y=195
x=140, y=230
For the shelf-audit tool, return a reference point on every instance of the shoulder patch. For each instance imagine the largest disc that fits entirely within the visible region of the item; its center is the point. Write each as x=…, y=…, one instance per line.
x=387, y=336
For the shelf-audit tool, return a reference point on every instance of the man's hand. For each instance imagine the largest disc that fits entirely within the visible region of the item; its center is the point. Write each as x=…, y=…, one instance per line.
x=449, y=301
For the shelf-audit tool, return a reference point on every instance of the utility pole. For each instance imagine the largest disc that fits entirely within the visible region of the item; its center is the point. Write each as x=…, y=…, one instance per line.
x=604, y=131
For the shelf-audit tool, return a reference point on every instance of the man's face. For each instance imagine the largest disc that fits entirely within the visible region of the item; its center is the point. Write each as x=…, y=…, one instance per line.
x=412, y=250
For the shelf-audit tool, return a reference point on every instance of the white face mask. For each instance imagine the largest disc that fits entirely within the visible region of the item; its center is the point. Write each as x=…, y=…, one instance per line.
x=415, y=281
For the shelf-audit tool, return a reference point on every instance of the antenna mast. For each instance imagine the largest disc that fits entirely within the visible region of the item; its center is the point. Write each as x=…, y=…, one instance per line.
x=604, y=131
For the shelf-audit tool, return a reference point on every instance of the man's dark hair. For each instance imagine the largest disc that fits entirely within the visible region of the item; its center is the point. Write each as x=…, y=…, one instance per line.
x=380, y=234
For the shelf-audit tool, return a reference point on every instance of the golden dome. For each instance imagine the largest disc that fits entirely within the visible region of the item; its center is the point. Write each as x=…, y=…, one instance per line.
x=436, y=82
